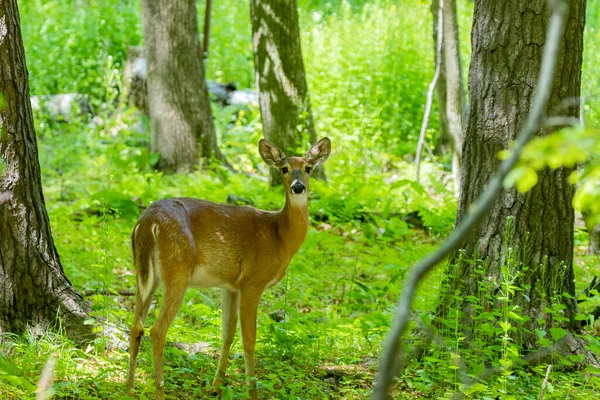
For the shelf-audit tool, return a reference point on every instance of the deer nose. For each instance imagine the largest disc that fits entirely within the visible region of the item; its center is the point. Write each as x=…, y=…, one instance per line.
x=298, y=187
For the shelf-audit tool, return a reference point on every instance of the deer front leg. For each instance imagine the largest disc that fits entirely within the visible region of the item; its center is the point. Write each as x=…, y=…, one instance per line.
x=248, y=307
x=228, y=325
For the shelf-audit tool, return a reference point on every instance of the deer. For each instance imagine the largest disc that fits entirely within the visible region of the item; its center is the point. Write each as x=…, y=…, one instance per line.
x=186, y=242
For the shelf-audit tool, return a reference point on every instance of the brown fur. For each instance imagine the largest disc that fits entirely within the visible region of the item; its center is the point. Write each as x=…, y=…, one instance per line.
x=189, y=242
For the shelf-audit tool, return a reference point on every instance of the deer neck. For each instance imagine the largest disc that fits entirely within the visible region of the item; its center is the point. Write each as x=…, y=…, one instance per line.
x=292, y=222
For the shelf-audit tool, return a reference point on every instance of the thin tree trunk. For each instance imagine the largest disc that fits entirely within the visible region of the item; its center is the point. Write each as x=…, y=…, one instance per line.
x=34, y=289
x=450, y=87
x=455, y=95
x=444, y=140
x=280, y=79
x=179, y=105
x=507, y=47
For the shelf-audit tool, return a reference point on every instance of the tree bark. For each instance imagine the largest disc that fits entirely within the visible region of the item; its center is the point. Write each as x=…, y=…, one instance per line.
x=180, y=113
x=508, y=39
x=34, y=289
x=280, y=79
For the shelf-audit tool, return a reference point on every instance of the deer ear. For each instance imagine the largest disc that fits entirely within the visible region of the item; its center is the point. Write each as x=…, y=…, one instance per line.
x=319, y=152
x=271, y=154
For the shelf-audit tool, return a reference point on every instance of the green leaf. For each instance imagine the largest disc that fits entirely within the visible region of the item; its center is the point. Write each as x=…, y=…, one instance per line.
x=476, y=387
x=361, y=285
x=505, y=326
x=528, y=180
x=557, y=333
x=154, y=159
x=119, y=202
x=540, y=333
x=18, y=381
x=227, y=393
x=514, y=316
x=504, y=155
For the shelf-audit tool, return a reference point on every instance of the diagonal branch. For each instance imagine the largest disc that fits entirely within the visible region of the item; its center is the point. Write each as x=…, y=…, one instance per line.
x=392, y=359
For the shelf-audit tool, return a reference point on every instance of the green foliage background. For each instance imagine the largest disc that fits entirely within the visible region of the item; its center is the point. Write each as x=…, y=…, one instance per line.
x=368, y=65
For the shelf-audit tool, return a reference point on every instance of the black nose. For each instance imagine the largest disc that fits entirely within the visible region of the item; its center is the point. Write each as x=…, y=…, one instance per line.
x=298, y=188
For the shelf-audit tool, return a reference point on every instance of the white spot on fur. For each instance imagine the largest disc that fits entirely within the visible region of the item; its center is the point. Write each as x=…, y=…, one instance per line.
x=299, y=199
x=145, y=287
x=203, y=278
x=220, y=236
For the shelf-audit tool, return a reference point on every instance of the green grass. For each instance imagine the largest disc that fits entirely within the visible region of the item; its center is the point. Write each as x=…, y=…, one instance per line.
x=368, y=66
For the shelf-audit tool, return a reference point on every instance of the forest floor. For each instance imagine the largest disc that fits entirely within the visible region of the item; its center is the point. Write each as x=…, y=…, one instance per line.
x=320, y=329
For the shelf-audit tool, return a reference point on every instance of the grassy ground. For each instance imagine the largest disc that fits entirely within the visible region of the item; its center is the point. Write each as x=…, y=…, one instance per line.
x=368, y=67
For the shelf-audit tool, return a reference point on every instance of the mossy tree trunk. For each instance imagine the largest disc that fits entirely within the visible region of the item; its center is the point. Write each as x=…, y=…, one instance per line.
x=508, y=39
x=34, y=289
x=178, y=102
x=280, y=78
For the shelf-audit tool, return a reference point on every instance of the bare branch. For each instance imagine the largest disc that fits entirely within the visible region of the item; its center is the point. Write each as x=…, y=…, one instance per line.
x=392, y=358
x=562, y=121
x=545, y=381
x=45, y=382
x=431, y=156
x=436, y=76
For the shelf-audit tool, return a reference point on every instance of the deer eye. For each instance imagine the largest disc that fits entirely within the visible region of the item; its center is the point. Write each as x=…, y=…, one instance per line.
x=284, y=170
x=308, y=169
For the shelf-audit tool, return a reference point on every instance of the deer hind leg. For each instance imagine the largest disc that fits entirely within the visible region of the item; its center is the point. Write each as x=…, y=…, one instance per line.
x=137, y=329
x=248, y=309
x=230, y=302
x=172, y=302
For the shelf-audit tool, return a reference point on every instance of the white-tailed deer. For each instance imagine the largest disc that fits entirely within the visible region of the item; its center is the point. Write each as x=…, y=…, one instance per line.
x=186, y=242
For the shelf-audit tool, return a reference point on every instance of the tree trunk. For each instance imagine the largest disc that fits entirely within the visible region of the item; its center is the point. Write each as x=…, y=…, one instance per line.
x=444, y=140
x=280, y=78
x=450, y=87
x=178, y=102
x=34, y=289
x=455, y=93
x=508, y=39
